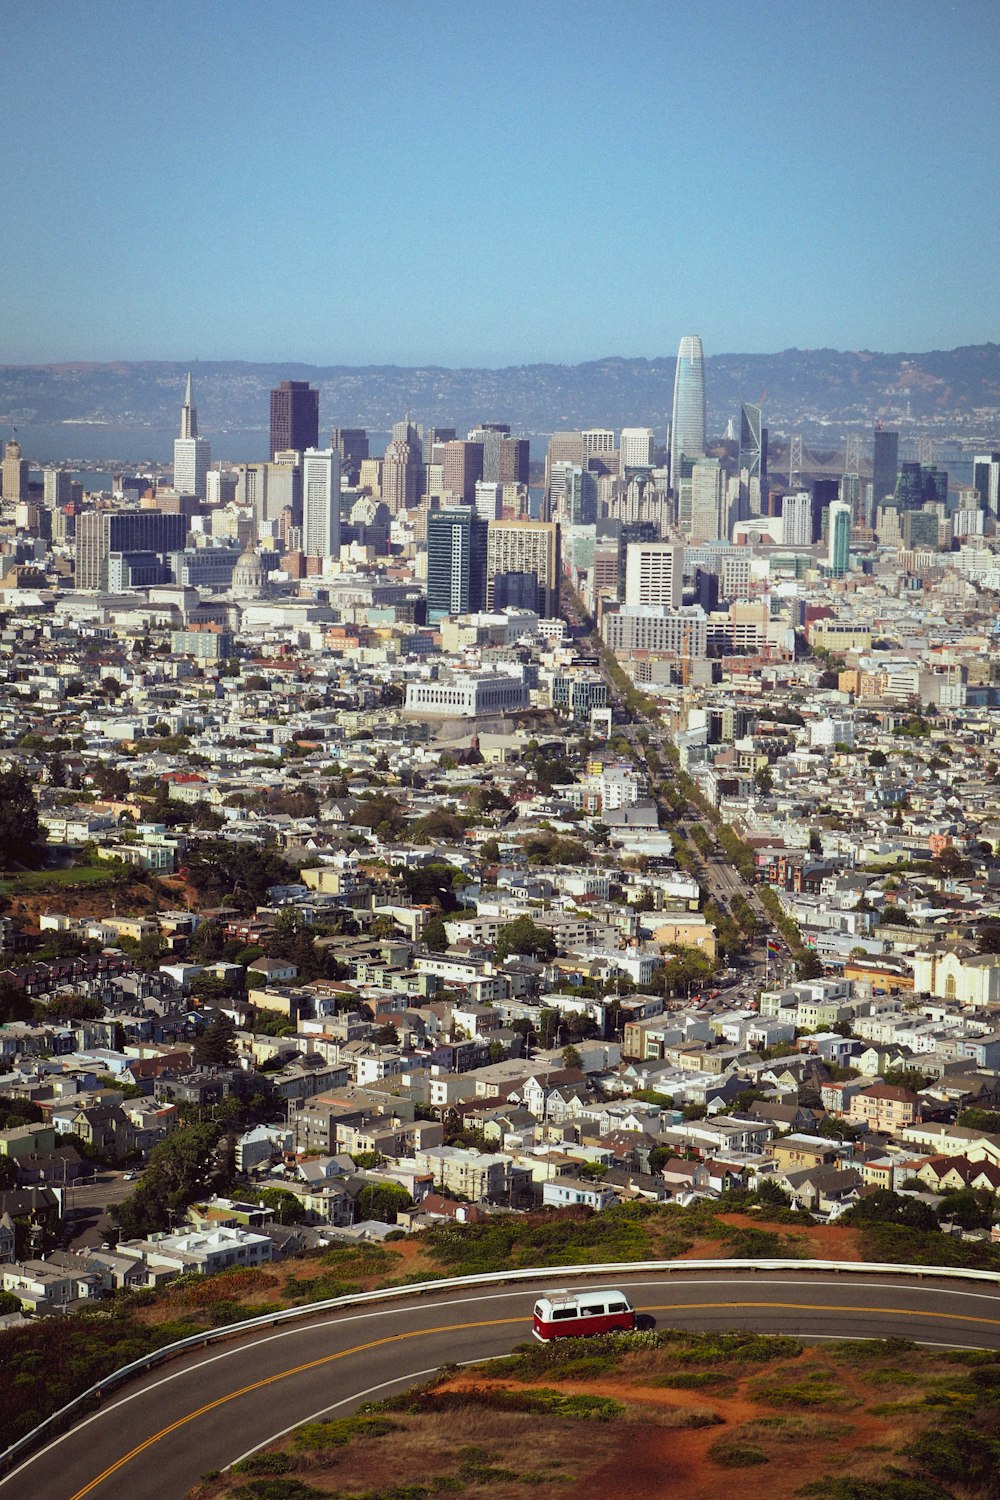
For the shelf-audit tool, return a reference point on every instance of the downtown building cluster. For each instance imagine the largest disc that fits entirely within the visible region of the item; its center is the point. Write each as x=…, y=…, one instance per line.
x=370, y=795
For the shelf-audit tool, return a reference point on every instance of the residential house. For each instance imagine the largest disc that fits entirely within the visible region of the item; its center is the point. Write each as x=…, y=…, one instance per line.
x=884, y=1108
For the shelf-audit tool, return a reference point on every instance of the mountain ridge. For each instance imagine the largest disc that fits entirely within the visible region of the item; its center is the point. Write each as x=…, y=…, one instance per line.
x=954, y=391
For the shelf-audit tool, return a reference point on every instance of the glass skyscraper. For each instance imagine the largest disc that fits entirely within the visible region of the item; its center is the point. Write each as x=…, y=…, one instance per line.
x=753, y=444
x=687, y=425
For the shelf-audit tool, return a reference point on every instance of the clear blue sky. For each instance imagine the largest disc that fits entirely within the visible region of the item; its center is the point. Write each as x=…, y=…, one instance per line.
x=386, y=181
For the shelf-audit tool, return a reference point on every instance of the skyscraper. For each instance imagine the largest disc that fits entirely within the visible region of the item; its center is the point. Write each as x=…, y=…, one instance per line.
x=654, y=574
x=525, y=547
x=753, y=445
x=321, y=502
x=352, y=445
x=101, y=532
x=15, y=472
x=839, y=538
x=885, y=462
x=797, y=519
x=401, y=476
x=58, y=488
x=687, y=424
x=986, y=479
x=192, y=454
x=909, y=490
x=636, y=448
x=709, y=510
x=456, y=562
x=462, y=468
x=294, y=416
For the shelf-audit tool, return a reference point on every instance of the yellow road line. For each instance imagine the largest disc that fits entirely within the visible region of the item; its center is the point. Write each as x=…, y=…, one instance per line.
x=326, y=1359
x=838, y=1307
x=257, y=1385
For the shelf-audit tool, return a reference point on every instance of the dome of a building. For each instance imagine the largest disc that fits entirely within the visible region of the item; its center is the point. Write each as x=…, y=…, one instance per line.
x=248, y=575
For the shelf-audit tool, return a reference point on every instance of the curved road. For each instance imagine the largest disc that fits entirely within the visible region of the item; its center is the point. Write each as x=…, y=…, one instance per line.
x=209, y=1409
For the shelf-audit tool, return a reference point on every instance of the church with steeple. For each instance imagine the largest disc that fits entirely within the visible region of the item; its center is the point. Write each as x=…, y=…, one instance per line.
x=192, y=454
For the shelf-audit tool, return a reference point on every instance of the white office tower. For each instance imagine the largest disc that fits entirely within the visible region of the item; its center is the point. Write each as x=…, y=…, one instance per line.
x=321, y=502
x=192, y=454
x=58, y=488
x=489, y=500
x=636, y=448
x=709, y=521
x=796, y=519
x=687, y=425
x=654, y=574
x=598, y=440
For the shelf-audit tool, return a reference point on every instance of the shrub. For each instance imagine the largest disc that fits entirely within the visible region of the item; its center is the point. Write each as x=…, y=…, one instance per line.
x=730, y=1455
x=340, y=1431
x=264, y=1463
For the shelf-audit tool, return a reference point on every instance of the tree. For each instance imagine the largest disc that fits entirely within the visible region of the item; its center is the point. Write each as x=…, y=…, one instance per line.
x=434, y=935
x=525, y=937
x=216, y=1047
x=885, y=1207
x=20, y=836
x=383, y=1201
x=877, y=759
x=287, y=1208
x=15, y=1005
x=989, y=937
x=433, y=883
x=186, y=1164
x=571, y=1057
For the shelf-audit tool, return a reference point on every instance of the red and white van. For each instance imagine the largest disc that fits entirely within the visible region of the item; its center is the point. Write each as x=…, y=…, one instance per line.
x=560, y=1315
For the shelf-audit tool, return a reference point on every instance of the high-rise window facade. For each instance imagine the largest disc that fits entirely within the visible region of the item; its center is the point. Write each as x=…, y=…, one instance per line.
x=654, y=574
x=294, y=416
x=192, y=454
x=687, y=426
x=885, y=462
x=525, y=547
x=753, y=445
x=456, y=562
x=321, y=502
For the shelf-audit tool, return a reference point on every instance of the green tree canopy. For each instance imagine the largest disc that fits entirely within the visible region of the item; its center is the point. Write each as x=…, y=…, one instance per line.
x=216, y=1046
x=181, y=1168
x=525, y=937
x=20, y=835
x=287, y=1208
x=383, y=1201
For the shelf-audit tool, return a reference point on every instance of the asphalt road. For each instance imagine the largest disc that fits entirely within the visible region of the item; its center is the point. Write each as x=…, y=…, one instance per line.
x=207, y=1411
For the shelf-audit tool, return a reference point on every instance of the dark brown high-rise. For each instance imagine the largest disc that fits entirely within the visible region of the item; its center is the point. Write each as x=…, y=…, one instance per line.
x=294, y=417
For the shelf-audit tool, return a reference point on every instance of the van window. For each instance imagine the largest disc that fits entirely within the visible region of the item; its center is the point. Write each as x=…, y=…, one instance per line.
x=618, y=1307
x=563, y=1312
x=593, y=1310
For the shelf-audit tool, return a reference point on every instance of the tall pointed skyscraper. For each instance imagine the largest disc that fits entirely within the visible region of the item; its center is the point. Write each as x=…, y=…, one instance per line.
x=189, y=414
x=687, y=425
x=192, y=454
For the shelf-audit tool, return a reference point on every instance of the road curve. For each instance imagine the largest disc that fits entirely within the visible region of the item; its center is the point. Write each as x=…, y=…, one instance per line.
x=213, y=1407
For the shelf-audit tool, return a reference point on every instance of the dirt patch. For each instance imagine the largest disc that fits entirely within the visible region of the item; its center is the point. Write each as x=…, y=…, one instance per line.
x=811, y=1241
x=616, y=1436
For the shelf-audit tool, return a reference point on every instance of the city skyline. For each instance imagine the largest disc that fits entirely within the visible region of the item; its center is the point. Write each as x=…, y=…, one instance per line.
x=824, y=251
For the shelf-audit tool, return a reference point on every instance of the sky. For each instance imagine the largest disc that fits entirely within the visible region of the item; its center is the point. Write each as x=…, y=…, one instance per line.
x=455, y=182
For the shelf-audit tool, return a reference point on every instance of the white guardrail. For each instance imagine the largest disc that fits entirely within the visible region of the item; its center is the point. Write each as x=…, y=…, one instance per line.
x=61, y=1419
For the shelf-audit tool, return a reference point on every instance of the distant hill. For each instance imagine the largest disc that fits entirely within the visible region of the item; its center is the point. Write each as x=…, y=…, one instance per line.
x=953, y=392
